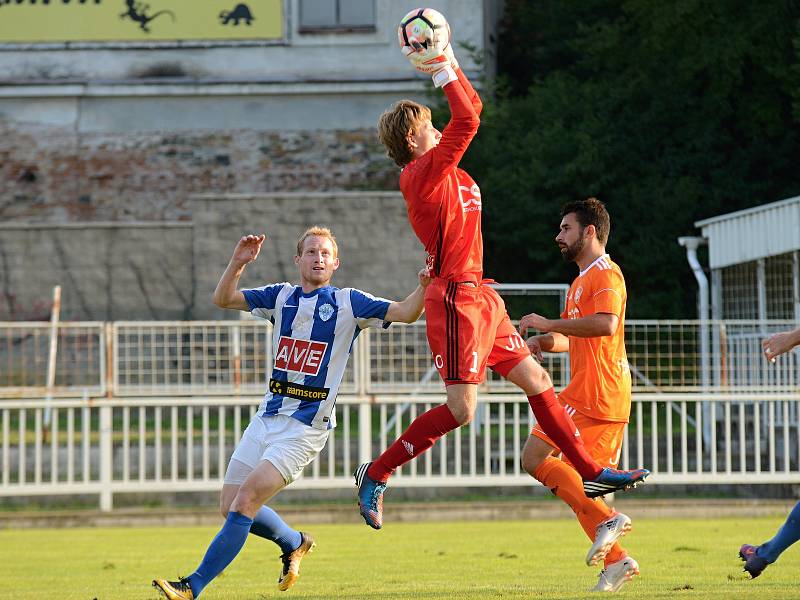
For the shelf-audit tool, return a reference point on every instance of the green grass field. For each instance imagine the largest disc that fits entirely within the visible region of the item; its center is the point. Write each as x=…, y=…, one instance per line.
x=690, y=559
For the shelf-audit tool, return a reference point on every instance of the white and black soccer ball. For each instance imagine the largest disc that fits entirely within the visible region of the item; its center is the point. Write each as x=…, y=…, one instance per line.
x=427, y=25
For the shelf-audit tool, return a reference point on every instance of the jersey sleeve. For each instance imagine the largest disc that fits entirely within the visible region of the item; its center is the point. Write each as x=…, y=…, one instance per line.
x=474, y=99
x=369, y=310
x=455, y=140
x=261, y=300
x=608, y=292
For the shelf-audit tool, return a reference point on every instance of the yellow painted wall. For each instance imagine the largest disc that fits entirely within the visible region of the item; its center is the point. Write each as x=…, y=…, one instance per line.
x=30, y=21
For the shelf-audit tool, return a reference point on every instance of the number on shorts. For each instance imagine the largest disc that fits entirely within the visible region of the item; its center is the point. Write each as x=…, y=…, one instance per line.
x=515, y=342
x=474, y=367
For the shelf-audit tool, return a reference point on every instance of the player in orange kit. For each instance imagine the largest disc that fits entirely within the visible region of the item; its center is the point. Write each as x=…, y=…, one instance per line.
x=467, y=325
x=598, y=396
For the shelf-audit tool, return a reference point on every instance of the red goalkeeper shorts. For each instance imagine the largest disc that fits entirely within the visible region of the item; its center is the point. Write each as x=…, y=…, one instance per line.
x=468, y=330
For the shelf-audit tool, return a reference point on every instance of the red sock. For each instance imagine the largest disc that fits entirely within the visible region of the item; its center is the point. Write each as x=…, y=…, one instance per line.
x=558, y=426
x=420, y=435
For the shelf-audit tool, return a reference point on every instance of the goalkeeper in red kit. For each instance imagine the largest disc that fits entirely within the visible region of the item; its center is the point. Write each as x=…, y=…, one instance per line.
x=468, y=328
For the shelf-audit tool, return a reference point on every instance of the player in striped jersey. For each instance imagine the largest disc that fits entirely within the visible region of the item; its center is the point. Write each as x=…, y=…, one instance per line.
x=466, y=321
x=598, y=396
x=314, y=328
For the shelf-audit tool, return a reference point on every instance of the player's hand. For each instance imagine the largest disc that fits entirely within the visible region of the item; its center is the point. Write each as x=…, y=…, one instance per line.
x=534, y=321
x=431, y=60
x=425, y=60
x=448, y=52
x=535, y=347
x=247, y=249
x=777, y=344
x=424, y=277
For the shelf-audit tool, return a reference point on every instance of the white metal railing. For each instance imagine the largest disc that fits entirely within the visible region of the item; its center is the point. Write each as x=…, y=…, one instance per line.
x=80, y=363
x=150, y=406
x=183, y=444
x=190, y=358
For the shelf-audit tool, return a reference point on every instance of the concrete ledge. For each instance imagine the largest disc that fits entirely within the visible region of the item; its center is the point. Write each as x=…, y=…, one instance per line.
x=400, y=512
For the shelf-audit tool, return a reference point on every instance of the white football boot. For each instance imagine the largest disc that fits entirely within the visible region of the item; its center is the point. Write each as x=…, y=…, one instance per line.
x=617, y=574
x=608, y=532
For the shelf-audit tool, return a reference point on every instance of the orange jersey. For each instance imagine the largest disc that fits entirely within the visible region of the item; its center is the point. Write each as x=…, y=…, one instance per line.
x=443, y=201
x=600, y=384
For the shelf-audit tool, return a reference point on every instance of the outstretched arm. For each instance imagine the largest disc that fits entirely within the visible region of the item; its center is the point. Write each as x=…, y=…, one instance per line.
x=780, y=343
x=410, y=309
x=596, y=325
x=227, y=294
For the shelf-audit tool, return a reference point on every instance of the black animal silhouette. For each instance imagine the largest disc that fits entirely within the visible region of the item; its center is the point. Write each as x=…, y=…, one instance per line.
x=137, y=12
x=240, y=13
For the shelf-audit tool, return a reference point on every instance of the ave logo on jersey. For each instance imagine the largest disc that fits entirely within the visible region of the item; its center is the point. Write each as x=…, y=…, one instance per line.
x=300, y=356
x=470, y=197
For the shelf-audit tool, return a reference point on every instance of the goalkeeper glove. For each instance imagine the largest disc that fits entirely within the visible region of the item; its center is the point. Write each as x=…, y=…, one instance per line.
x=439, y=63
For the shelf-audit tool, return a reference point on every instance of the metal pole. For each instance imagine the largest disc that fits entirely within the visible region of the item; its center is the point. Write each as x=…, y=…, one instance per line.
x=51, y=360
x=691, y=244
x=761, y=282
x=796, y=284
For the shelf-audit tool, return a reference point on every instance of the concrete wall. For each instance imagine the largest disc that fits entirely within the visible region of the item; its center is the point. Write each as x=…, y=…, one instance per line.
x=313, y=56
x=378, y=250
x=168, y=270
x=107, y=271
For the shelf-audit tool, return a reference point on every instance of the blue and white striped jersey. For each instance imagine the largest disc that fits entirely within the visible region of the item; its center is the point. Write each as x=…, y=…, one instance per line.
x=313, y=337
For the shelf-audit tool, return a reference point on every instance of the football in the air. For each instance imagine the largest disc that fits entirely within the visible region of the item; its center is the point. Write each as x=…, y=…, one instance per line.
x=427, y=25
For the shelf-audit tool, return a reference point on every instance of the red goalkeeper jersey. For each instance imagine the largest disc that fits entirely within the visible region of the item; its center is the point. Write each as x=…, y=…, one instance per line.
x=443, y=201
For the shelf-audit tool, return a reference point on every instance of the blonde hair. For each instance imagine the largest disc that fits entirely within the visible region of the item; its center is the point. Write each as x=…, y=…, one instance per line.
x=318, y=231
x=394, y=126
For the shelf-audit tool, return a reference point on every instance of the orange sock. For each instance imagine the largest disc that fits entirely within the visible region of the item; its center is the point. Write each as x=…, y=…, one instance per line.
x=565, y=483
x=616, y=553
x=589, y=525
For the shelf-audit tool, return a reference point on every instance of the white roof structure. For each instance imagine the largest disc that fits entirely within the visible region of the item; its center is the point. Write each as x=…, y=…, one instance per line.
x=747, y=235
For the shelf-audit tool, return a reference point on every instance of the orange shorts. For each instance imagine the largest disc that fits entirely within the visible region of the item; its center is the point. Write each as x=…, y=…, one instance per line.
x=468, y=329
x=602, y=439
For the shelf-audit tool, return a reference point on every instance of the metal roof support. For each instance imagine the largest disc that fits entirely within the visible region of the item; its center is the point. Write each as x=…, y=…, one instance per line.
x=796, y=283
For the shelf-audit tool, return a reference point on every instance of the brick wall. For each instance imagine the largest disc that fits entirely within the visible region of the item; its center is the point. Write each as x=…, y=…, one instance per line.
x=55, y=175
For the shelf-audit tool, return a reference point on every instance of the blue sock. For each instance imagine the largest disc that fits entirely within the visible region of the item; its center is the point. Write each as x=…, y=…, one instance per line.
x=268, y=524
x=787, y=535
x=221, y=551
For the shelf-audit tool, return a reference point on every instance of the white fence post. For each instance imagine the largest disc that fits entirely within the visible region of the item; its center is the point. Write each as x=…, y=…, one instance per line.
x=106, y=458
x=364, y=431
x=361, y=363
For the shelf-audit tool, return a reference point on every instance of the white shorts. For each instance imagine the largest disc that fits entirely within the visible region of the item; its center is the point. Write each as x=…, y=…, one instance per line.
x=285, y=442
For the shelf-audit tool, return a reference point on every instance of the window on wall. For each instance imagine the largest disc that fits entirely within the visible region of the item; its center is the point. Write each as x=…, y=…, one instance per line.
x=337, y=15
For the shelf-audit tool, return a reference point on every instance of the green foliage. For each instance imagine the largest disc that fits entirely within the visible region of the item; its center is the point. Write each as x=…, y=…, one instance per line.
x=474, y=560
x=668, y=112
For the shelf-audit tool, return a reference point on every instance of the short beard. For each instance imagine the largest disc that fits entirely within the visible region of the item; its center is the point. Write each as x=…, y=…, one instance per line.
x=571, y=252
